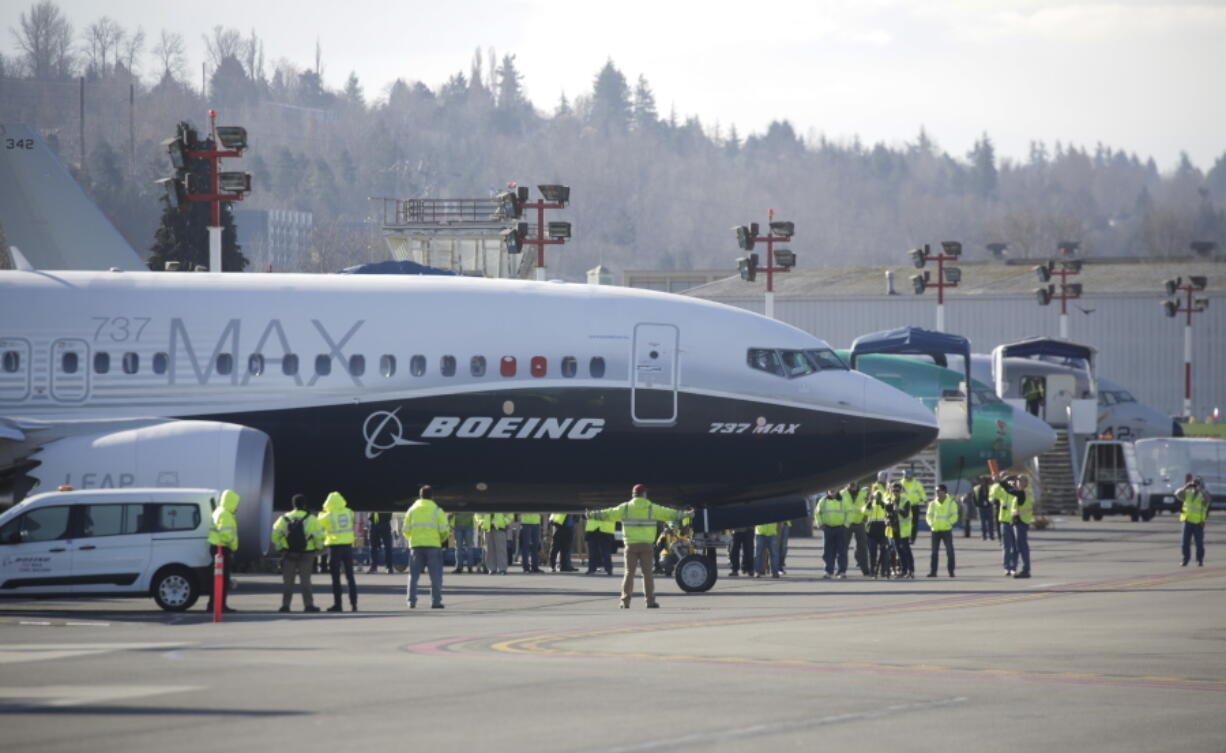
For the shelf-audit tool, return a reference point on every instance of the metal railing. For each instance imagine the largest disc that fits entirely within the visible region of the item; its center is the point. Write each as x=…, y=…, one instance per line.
x=434, y=212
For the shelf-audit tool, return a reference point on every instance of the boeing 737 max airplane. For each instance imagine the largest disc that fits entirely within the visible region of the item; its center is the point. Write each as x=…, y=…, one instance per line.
x=504, y=395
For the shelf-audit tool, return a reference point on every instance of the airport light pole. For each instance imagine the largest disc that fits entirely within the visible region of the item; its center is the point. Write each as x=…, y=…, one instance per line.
x=514, y=201
x=184, y=148
x=1066, y=266
x=1173, y=307
x=747, y=237
x=946, y=277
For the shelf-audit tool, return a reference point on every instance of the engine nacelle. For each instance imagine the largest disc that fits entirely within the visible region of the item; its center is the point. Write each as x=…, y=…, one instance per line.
x=189, y=454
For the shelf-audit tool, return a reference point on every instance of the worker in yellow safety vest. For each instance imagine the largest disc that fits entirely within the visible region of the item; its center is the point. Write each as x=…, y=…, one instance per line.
x=638, y=518
x=530, y=542
x=425, y=530
x=337, y=523
x=913, y=495
x=832, y=518
x=493, y=527
x=563, y=529
x=766, y=544
x=1193, y=513
x=942, y=516
x=223, y=537
x=854, y=499
x=900, y=522
x=1021, y=515
x=298, y=537
x=874, y=525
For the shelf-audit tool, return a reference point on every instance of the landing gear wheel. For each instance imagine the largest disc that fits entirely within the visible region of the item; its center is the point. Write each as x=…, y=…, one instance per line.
x=174, y=589
x=695, y=573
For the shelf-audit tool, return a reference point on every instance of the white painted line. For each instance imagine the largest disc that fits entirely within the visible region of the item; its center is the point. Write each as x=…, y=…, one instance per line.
x=76, y=695
x=88, y=624
x=20, y=653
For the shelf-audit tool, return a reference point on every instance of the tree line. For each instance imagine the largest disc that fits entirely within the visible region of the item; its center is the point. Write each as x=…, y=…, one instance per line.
x=649, y=189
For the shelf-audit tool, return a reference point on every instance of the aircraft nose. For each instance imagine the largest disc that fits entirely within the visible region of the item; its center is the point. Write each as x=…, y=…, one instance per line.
x=908, y=425
x=1031, y=437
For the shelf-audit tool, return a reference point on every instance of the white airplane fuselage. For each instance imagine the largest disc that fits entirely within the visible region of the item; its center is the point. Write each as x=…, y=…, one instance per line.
x=501, y=394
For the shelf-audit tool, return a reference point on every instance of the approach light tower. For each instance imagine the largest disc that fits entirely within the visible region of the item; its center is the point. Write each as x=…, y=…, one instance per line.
x=183, y=148
x=747, y=236
x=947, y=277
x=1173, y=307
x=513, y=202
x=1063, y=267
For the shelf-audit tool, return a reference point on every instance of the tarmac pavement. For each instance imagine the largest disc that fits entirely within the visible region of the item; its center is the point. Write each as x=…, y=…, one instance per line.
x=1111, y=646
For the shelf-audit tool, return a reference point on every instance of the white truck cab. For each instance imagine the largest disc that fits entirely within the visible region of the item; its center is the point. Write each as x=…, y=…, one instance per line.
x=109, y=542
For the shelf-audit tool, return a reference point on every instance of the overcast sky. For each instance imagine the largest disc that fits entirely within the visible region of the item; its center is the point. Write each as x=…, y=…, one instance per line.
x=1146, y=77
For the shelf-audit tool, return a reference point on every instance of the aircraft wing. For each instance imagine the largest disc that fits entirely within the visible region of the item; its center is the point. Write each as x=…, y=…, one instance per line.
x=46, y=214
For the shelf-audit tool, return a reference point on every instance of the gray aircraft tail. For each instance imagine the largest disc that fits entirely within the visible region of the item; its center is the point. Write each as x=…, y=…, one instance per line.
x=47, y=216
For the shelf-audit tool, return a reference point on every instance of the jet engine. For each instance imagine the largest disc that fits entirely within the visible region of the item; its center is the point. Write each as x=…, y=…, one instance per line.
x=188, y=454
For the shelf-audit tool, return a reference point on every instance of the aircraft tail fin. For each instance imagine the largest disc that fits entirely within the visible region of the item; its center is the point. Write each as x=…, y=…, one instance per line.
x=46, y=214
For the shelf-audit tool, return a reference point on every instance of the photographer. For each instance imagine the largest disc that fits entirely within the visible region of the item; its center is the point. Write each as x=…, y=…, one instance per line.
x=1194, y=511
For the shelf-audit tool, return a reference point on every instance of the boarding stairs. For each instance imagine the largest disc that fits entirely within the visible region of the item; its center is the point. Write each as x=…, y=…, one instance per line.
x=1057, y=477
x=927, y=466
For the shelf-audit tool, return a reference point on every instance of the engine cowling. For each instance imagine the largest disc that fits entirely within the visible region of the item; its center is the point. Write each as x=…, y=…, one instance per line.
x=199, y=454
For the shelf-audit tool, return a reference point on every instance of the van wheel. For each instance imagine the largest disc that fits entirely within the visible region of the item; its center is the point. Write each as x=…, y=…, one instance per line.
x=1134, y=515
x=1147, y=515
x=1085, y=515
x=175, y=589
x=1098, y=516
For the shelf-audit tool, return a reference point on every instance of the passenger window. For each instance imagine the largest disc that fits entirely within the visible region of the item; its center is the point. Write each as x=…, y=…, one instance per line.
x=387, y=366
x=289, y=364
x=12, y=361
x=131, y=363
x=476, y=366
x=570, y=366
x=172, y=517
x=68, y=363
x=446, y=366
x=538, y=366
x=323, y=365
x=595, y=367
x=102, y=363
x=43, y=524
x=507, y=366
x=225, y=364
x=111, y=520
x=417, y=366
x=255, y=364
x=160, y=362
x=357, y=365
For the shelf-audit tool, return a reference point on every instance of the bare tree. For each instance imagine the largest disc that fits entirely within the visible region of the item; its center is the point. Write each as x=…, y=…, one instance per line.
x=132, y=47
x=102, y=40
x=45, y=40
x=253, y=57
x=170, y=54
x=223, y=44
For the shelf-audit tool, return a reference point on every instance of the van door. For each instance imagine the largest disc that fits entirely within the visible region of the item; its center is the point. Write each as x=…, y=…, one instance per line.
x=110, y=551
x=35, y=552
x=653, y=394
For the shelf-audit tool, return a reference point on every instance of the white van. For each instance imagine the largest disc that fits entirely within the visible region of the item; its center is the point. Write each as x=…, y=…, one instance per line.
x=109, y=542
x=1140, y=478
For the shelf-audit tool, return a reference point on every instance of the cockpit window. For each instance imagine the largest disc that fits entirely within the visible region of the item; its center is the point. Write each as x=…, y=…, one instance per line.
x=1124, y=396
x=1106, y=398
x=792, y=364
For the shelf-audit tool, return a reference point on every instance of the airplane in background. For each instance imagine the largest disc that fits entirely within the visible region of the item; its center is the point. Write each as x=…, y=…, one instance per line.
x=502, y=394
x=1000, y=433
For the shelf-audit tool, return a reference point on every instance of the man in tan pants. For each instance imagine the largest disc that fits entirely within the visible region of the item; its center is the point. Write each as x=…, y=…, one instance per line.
x=638, y=518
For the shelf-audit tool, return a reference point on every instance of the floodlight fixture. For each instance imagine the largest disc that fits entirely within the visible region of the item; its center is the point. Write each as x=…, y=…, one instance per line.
x=557, y=230
x=786, y=229
x=1198, y=282
x=1072, y=290
x=747, y=266
x=746, y=235
x=953, y=274
x=918, y=257
x=513, y=237
x=1173, y=285
x=951, y=248
x=1043, y=272
x=1073, y=266
x=919, y=283
x=1202, y=303
x=785, y=258
x=238, y=183
x=509, y=205
x=175, y=194
x=1069, y=248
x=178, y=154
x=1171, y=308
x=555, y=194
x=998, y=250
x=1043, y=295
x=232, y=137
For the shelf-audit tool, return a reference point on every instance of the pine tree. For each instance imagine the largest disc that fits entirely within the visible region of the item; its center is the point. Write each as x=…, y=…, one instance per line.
x=183, y=234
x=645, y=115
x=611, y=107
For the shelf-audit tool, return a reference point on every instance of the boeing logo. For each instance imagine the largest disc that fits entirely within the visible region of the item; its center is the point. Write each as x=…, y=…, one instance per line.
x=383, y=431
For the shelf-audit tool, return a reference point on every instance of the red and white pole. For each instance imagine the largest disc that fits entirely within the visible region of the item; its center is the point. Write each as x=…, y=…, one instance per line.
x=219, y=583
x=1187, y=358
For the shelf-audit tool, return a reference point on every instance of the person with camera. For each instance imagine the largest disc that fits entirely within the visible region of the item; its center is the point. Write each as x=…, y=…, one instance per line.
x=1193, y=513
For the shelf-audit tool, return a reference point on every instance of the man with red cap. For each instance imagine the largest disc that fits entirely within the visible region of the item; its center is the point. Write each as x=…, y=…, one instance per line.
x=638, y=518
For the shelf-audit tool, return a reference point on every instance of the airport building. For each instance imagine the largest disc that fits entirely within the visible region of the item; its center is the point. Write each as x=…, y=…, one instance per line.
x=1120, y=313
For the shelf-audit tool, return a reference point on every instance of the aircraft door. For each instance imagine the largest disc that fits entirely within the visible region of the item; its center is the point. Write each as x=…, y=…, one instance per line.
x=14, y=370
x=70, y=370
x=653, y=394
